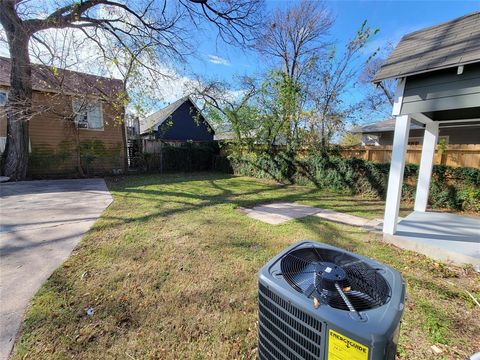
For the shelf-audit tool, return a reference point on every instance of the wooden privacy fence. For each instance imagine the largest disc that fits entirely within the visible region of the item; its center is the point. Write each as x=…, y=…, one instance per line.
x=467, y=155
x=178, y=156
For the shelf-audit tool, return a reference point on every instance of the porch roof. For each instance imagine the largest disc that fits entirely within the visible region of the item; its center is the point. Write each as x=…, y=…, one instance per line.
x=442, y=46
x=439, y=83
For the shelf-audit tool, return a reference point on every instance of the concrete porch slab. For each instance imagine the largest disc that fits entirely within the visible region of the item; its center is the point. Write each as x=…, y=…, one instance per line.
x=441, y=236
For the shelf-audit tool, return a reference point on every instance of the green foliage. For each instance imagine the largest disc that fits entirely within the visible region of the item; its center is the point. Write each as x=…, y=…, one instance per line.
x=350, y=139
x=42, y=157
x=49, y=158
x=435, y=324
x=95, y=150
x=279, y=102
x=238, y=120
x=91, y=149
x=452, y=188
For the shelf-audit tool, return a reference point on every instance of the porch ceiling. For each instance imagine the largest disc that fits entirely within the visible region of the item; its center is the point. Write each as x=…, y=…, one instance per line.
x=456, y=114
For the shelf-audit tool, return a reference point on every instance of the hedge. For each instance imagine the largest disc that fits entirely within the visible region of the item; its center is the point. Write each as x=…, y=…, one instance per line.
x=451, y=188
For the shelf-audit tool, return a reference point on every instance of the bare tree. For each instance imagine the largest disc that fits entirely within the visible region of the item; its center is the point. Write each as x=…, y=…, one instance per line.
x=378, y=98
x=330, y=82
x=152, y=24
x=295, y=37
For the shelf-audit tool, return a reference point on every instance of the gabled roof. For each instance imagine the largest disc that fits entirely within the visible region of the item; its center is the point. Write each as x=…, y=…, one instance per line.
x=49, y=79
x=442, y=46
x=383, y=126
x=157, y=118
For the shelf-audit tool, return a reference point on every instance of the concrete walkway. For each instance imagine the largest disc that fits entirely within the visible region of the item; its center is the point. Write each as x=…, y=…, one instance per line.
x=40, y=224
x=441, y=236
x=279, y=213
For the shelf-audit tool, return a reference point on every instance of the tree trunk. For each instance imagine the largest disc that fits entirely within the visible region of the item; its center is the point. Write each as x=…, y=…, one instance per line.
x=323, y=143
x=18, y=107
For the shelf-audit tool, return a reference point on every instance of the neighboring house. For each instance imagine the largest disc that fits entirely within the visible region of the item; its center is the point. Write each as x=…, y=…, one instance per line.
x=180, y=121
x=381, y=133
x=76, y=125
x=225, y=134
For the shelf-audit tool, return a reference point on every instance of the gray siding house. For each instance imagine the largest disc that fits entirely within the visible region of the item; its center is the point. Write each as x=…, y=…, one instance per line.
x=381, y=133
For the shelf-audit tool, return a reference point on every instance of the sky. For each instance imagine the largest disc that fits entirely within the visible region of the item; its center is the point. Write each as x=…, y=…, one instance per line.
x=393, y=18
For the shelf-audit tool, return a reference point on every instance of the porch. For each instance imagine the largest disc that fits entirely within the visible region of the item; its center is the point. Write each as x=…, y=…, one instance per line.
x=438, y=85
x=441, y=236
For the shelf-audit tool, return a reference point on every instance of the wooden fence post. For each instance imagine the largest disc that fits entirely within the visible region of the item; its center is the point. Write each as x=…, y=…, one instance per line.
x=161, y=158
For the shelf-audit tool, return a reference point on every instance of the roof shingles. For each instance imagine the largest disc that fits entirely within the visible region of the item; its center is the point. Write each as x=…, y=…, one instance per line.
x=450, y=44
x=153, y=121
x=46, y=78
x=383, y=126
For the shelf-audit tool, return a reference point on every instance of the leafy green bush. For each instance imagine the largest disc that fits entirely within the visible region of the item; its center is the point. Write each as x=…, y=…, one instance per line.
x=452, y=188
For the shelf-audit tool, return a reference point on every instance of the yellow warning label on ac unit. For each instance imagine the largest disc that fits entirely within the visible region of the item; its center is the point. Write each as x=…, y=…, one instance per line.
x=341, y=347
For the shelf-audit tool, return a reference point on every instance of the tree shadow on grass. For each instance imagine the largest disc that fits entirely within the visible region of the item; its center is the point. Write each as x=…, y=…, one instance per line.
x=236, y=191
x=205, y=201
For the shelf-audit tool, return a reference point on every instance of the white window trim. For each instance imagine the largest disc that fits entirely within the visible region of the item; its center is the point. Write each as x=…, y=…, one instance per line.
x=101, y=117
x=6, y=93
x=3, y=144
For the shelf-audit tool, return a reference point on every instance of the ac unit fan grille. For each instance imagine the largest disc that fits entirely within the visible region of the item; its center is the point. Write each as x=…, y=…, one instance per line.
x=365, y=288
x=286, y=332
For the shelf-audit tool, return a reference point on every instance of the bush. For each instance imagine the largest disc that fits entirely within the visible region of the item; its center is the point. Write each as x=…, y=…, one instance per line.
x=452, y=188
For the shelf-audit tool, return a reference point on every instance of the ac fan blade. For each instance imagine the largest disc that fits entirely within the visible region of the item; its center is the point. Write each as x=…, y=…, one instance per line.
x=303, y=270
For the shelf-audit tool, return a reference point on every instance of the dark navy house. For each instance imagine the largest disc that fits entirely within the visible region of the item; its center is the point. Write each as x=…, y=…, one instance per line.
x=179, y=121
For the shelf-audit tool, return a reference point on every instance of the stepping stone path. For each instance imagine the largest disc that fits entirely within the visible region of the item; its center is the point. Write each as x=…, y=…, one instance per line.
x=279, y=213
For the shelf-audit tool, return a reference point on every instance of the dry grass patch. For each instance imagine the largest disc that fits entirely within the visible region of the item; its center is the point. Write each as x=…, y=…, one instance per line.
x=170, y=270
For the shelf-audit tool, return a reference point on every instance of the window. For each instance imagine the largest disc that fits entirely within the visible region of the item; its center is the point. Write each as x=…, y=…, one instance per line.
x=419, y=140
x=3, y=97
x=415, y=141
x=88, y=114
x=3, y=142
x=369, y=139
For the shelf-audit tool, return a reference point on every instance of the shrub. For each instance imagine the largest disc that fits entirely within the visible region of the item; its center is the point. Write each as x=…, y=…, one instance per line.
x=452, y=188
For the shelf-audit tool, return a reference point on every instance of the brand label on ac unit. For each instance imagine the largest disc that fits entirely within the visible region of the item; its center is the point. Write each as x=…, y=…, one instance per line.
x=340, y=347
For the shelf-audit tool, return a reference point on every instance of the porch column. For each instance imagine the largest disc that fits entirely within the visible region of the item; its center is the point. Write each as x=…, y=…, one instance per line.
x=426, y=164
x=395, y=178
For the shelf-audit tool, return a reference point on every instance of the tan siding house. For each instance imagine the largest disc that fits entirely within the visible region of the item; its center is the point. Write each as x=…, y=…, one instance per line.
x=77, y=125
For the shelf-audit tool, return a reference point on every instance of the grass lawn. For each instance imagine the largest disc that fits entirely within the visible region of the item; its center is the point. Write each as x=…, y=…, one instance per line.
x=170, y=270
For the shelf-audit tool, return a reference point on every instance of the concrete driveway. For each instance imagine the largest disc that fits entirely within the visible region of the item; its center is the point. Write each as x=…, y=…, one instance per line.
x=40, y=224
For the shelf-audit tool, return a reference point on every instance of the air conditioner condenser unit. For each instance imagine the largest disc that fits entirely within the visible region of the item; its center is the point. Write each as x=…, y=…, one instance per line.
x=317, y=301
